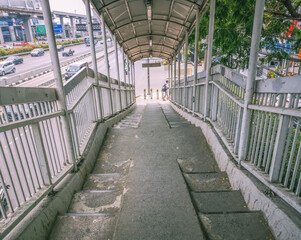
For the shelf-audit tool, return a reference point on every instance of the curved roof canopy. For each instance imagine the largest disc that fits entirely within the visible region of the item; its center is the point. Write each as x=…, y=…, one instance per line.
x=149, y=28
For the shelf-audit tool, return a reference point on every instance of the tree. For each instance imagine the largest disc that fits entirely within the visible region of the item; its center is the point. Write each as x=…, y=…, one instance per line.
x=233, y=30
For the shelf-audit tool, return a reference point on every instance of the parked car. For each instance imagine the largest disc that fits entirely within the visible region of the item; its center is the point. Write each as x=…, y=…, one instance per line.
x=15, y=59
x=74, y=68
x=7, y=67
x=60, y=48
x=68, y=53
x=37, y=52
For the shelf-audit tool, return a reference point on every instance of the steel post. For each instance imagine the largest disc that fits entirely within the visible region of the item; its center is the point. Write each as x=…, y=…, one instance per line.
x=66, y=126
x=94, y=61
x=124, y=74
x=117, y=69
x=179, y=76
x=133, y=85
x=148, y=79
x=104, y=38
x=129, y=78
x=175, y=79
x=134, y=74
x=171, y=79
x=196, y=46
x=185, y=68
x=209, y=56
x=246, y=119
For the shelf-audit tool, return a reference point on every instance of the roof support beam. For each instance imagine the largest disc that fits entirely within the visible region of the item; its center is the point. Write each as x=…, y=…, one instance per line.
x=105, y=6
x=111, y=19
x=187, y=17
x=145, y=20
x=131, y=56
x=149, y=35
x=130, y=49
x=156, y=54
x=131, y=18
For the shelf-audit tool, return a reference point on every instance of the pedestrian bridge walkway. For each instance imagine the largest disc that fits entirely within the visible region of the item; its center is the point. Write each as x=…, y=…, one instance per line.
x=156, y=178
x=69, y=169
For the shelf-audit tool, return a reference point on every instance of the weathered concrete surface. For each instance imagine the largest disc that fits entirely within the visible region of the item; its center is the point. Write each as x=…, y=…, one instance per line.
x=103, y=190
x=208, y=182
x=284, y=223
x=196, y=165
x=236, y=226
x=157, y=204
x=108, y=181
x=84, y=227
x=219, y=202
x=96, y=202
x=39, y=223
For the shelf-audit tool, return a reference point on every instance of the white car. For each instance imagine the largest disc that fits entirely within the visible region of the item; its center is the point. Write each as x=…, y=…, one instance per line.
x=7, y=67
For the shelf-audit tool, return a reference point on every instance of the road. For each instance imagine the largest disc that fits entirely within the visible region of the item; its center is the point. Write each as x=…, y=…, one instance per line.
x=47, y=80
x=30, y=62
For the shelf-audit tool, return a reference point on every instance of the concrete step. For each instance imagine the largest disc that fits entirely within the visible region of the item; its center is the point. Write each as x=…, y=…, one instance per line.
x=219, y=202
x=201, y=182
x=195, y=165
x=116, y=166
x=96, y=202
x=236, y=226
x=109, y=181
x=83, y=226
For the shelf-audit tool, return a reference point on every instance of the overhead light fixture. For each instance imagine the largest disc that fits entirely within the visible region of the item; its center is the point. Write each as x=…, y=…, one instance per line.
x=149, y=10
x=151, y=55
x=150, y=42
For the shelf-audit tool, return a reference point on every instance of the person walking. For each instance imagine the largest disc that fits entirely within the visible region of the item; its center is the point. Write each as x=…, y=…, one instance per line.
x=165, y=91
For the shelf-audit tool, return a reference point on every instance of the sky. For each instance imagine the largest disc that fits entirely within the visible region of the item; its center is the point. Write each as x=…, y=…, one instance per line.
x=68, y=6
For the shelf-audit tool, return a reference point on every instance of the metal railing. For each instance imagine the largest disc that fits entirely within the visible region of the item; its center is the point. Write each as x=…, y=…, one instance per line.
x=33, y=155
x=274, y=148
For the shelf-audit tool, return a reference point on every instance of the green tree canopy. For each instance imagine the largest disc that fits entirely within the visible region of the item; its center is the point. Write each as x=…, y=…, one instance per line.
x=233, y=30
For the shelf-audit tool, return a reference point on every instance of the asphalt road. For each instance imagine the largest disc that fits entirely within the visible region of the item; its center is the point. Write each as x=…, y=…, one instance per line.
x=46, y=80
x=30, y=63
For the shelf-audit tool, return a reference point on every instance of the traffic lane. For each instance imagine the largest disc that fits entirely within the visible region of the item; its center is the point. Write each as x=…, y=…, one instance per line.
x=113, y=66
x=31, y=63
x=48, y=77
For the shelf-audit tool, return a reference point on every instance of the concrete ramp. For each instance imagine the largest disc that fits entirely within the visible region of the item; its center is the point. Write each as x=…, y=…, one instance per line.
x=156, y=178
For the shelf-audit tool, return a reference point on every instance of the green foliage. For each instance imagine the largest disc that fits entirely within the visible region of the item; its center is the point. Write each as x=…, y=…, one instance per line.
x=4, y=52
x=233, y=30
x=28, y=48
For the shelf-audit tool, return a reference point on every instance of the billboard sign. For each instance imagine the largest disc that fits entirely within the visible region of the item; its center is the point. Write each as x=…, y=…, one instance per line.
x=41, y=29
x=83, y=27
x=144, y=65
x=58, y=28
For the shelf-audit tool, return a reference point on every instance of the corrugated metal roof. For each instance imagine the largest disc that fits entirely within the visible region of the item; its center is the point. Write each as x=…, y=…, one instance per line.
x=149, y=28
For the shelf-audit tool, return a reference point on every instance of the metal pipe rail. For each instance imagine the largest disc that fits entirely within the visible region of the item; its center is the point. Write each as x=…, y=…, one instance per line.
x=275, y=137
x=33, y=155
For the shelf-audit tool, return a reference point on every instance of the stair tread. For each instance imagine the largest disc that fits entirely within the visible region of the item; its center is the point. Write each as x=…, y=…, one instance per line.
x=236, y=226
x=219, y=202
x=195, y=165
x=96, y=202
x=208, y=181
x=83, y=227
x=105, y=182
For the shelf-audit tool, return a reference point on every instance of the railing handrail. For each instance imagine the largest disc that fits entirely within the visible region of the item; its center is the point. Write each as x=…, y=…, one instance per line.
x=276, y=123
x=32, y=136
